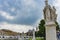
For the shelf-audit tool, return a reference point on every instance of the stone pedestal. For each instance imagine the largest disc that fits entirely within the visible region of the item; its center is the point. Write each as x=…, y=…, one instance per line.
x=51, y=31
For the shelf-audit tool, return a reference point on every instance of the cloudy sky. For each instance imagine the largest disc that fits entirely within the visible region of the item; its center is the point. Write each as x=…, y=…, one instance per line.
x=22, y=15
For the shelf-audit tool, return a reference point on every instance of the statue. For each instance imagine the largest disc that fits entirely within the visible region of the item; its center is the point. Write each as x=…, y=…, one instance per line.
x=53, y=14
x=49, y=12
x=33, y=34
x=50, y=18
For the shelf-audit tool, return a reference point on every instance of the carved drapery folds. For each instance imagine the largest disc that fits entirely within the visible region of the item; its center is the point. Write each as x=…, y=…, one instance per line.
x=50, y=13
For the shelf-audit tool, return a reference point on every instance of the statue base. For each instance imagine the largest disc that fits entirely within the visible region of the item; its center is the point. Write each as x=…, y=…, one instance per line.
x=50, y=31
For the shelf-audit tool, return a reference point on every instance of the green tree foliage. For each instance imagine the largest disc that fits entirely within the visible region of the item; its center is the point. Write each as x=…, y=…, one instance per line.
x=57, y=25
x=41, y=32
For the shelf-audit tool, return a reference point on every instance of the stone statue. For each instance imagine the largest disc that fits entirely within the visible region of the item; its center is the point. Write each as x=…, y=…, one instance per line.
x=50, y=18
x=54, y=14
x=49, y=12
x=33, y=34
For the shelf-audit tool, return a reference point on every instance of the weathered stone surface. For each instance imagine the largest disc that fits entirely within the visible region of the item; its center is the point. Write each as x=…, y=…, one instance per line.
x=50, y=17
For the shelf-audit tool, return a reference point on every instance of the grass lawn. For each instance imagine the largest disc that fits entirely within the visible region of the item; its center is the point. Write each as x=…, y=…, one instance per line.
x=38, y=38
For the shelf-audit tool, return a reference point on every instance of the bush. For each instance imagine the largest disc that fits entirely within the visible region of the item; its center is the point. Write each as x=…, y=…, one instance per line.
x=38, y=38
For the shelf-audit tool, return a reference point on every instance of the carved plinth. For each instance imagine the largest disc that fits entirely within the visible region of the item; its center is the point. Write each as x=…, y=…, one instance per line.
x=51, y=31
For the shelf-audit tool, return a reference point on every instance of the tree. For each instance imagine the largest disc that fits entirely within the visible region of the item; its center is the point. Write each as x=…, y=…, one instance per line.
x=57, y=25
x=41, y=32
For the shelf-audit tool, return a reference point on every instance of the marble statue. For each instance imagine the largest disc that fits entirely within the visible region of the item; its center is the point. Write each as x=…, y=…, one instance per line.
x=50, y=17
x=49, y=12
x=33, y=34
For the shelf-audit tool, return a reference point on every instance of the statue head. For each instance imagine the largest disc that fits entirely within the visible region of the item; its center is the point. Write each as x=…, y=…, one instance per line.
x=46, y=2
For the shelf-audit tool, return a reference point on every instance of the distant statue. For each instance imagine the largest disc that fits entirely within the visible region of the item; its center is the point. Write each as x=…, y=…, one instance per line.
x=33, y=34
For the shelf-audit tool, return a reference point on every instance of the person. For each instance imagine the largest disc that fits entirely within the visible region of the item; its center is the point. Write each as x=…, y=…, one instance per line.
x=58, y=35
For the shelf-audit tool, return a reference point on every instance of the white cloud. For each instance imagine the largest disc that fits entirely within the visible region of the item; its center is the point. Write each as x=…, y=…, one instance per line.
x=56, y=3
x=6, y=15
x=15, y=27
